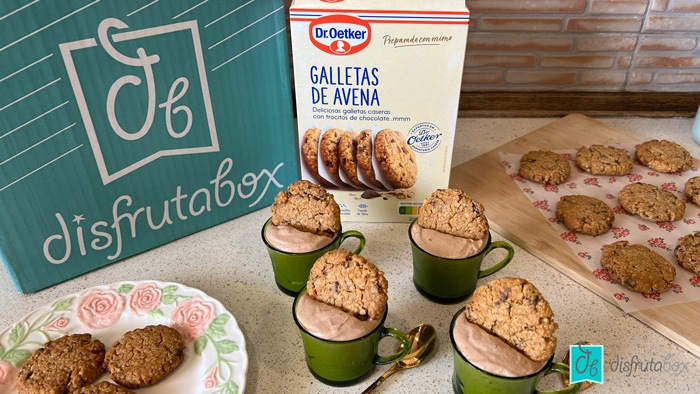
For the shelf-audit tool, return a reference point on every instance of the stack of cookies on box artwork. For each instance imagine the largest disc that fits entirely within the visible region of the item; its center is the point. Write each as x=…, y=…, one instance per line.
x=633, y=266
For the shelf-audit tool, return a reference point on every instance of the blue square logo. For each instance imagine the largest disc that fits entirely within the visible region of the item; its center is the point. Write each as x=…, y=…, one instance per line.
x=586, y=363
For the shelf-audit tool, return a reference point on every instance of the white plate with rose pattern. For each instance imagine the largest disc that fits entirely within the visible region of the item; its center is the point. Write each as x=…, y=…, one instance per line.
x=215, y=357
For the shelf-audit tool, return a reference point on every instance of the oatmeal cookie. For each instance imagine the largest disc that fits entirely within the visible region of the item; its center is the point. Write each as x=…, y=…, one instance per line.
x=364, y=158
x=637, y=267
x=329, y=152
x=651, y=203
x=347, y=150
x=452, y=211
x=543, y=166
x=663, y=156
x=104, y=387
x=585, y=214
x=144, y=356
x=306, y=207
x=603, y=160
x=309, y=153
x=397, y=161
x=692, y=190
x=515, y=311
x=350, y=282
x=63, y=365
x=688, y=252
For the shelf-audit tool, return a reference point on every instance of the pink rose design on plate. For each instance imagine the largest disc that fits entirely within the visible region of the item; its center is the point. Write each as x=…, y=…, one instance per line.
x=56, y=325
x=210, y=380
x=8, y=377
x=99, y=309
x=145, y=298
x=192, y=318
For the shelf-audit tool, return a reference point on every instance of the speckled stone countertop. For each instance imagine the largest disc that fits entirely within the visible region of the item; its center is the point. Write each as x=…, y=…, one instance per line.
x=229, y=262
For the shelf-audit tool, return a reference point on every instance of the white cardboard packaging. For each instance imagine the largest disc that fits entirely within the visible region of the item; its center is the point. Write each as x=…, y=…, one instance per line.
x=362, y=64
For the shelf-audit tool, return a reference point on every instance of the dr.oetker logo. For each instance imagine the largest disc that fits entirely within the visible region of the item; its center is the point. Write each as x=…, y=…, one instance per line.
x=340, y=34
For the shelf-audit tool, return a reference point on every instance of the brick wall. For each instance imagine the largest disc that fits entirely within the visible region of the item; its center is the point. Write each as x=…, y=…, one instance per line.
x=583, y=45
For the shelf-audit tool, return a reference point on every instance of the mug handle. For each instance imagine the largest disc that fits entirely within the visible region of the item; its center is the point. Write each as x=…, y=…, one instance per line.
x=496, y=267
x=564, y=370
x=353, y=234
x=404, y=347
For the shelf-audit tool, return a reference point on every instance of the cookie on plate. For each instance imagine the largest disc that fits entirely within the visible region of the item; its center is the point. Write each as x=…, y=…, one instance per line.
x=515, y=311
x=692, y=190
x=329, y=152
x=650, y=202
x=397, y=161
x=663, y=156
x=603, y=160
x=63, y=365
x=309, y=153
x=452, y=211
x=350, y=282
x=364, y=158
x=306, y=207
x=347, y=151
x=144, y=356
x=688, y=252
x=585, y=214
x=104, y=387
x=544, y=166
x=637, y=267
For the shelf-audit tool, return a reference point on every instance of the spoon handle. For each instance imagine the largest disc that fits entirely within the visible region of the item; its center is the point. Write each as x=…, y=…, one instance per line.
x=381, y=379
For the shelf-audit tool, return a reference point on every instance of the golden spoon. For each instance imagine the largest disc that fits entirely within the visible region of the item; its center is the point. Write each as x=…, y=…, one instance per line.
x=422, y=339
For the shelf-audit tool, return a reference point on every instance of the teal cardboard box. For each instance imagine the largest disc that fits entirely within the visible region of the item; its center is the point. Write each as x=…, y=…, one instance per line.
x=128, y=124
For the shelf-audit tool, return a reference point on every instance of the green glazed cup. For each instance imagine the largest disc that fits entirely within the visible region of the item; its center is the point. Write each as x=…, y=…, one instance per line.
x=470, y=379
x=344, y=363
x=292, y=269
x=448, y=281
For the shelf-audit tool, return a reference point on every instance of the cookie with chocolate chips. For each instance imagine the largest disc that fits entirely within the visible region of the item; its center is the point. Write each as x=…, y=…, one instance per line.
x=515, y=311
x=144, y=356
x=651, y=202
x=688, y=252
x=544, y=166
x=663, y=156
x=397, y=161
x=585, y=214
x=637, y=267
x=603, y=160
x=350, y=282
x=306, y=207
x=452, y=211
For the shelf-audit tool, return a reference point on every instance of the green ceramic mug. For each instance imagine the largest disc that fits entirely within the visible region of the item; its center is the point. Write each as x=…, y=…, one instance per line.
x=470, y=379
x=344, y=363
x=292, y=269
x=448, y=281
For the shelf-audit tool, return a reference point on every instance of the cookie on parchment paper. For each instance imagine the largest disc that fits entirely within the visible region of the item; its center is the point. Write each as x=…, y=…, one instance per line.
x=637, y=267
x=651, y=202
x=347, y=151
x=544, y=166
x=688, y=252
x=692, y=190
x=663, y=156
x=144, y=356
x=306, y=207
x=603, y=160
x=104, y=387
x=397, y=161
x=63, y=365
x=364, y=158
x=452, y=211
x=585, y=214
x=515, y=311
x=309, y=153
x=350, y=282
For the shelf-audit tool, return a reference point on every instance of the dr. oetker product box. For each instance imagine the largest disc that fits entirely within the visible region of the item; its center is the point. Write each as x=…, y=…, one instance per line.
x=128, y=124
x=377, y=92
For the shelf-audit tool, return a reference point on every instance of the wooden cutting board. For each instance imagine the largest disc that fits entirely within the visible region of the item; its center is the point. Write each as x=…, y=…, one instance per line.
x=512, y=215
